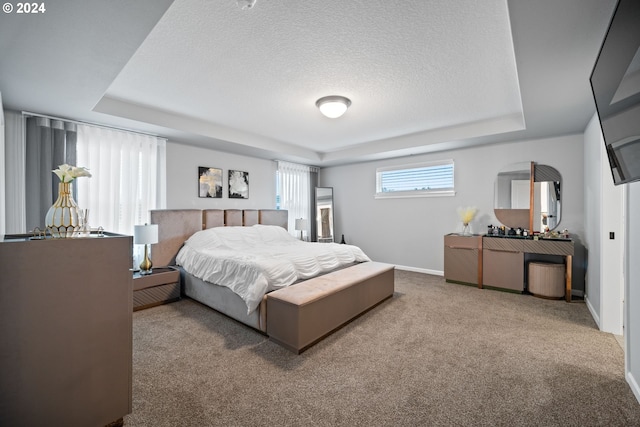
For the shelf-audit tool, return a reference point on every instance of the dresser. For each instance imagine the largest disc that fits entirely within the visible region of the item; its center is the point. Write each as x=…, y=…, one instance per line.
x=463, y=259
x=66, y=328
x=499, y=261
x=504, y=260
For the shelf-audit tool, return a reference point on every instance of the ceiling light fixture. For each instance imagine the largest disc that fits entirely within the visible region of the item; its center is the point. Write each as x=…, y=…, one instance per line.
x=333, y=106
x=246, y=4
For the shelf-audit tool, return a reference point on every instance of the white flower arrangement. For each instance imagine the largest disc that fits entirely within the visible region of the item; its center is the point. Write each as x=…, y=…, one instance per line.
x=467, y=214
x=68, y=173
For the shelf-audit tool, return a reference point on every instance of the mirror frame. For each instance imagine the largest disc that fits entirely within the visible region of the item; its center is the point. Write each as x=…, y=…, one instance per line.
x=324, y=218
x=518, y=217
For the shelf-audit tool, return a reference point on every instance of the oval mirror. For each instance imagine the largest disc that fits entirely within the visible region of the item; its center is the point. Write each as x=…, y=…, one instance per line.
x=513, y=194
x=547, y=198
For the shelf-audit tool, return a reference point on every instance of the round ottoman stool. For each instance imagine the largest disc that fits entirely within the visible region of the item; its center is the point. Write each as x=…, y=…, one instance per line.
x=546, y=280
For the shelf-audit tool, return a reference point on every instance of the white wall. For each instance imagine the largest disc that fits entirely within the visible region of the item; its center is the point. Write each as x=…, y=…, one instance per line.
x=182, y=179
x=603, y=215
x=409, y=232
x=632, y=287
x=592, y=217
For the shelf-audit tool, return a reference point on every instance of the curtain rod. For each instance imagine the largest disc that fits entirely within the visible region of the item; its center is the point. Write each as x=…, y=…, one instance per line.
x=28, y=113
x=314, y=168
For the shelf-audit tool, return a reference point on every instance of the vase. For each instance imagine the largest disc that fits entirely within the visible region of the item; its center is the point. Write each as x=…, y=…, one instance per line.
x=62, y=219
x=466, y=230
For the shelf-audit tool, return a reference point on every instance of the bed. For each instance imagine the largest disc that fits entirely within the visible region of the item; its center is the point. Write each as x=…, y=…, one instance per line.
x=351, y=288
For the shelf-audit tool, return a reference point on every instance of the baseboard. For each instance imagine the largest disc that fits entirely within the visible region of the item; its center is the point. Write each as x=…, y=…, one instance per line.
x=420, y=270
x=593, y=312
x=633, y=384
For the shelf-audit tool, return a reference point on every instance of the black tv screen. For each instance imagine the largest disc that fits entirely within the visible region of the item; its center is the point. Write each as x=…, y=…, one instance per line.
x=615, y=82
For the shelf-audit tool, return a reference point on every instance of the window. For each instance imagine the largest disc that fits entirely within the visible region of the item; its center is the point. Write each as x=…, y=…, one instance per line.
x=416, y=180
x=294, y=190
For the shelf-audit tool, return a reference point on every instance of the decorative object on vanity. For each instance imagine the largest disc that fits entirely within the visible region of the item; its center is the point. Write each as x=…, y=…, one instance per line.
x=62, y=219
x=145, y=235
x=301, y=226
x=238, y=184
x=528, y=195
x=466, y=216
x=209, y=182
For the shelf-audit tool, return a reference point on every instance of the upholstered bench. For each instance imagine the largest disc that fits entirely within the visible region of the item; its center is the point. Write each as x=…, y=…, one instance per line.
x=300, y=315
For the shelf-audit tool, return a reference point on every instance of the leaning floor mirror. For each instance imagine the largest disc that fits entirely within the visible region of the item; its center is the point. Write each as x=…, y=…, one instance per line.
x=324, y=214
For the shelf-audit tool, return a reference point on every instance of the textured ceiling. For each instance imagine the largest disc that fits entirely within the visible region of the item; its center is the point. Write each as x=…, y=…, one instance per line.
x=421, y=75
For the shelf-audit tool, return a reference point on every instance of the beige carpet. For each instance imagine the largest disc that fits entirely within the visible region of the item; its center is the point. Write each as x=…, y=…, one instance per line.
x=436, y=354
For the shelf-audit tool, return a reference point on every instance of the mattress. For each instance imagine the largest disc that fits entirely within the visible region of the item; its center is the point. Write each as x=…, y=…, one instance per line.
x=252, y=261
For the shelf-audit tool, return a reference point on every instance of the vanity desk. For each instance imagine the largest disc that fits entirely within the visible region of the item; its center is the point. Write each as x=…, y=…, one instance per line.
x=503, y=259
x=527, y=196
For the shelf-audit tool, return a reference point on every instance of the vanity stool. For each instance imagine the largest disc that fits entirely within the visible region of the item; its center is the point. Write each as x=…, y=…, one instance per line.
x=546, y=280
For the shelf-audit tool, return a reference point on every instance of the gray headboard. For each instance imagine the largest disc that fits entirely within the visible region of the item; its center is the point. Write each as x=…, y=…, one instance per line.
x=177, y=225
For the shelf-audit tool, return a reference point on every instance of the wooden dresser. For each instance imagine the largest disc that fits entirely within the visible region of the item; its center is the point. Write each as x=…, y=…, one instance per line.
x=504, y=260
x=66, y=328
x=463, y=259
x=499, y=261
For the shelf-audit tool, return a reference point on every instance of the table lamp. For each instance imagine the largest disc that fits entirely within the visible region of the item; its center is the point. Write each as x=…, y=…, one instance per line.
x=301, y=224
x=145, y=235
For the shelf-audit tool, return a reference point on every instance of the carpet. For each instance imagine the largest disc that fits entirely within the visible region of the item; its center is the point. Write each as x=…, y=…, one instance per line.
x=435, y=354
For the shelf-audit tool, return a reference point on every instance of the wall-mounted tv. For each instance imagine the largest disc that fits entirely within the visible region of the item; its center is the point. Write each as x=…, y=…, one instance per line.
x=615, y=82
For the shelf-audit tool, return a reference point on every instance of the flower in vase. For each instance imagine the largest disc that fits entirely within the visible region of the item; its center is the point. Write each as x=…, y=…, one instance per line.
x=467, y=214
x=68, y=173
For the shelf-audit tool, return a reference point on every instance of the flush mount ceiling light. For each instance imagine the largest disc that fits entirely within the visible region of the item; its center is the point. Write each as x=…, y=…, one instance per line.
x=246, y=4
x=333, y=106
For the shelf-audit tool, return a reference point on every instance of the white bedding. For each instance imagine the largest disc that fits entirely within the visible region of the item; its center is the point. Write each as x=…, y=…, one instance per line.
x=252, y=261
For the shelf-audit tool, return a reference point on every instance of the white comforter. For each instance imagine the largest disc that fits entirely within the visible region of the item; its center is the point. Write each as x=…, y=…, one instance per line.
x=252, y=261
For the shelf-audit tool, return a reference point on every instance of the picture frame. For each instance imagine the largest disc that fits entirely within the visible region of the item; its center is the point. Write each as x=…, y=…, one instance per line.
x=238, y=184
x=209, y=182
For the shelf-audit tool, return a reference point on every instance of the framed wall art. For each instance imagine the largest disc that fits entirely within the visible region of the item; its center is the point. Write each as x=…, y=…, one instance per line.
x=209, y=182
x=238, y=184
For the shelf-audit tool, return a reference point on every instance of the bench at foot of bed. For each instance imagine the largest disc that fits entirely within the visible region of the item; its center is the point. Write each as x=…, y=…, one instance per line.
x=301, y=315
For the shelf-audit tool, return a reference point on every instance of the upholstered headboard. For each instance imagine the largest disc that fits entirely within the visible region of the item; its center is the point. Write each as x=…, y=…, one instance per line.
x=177, y=225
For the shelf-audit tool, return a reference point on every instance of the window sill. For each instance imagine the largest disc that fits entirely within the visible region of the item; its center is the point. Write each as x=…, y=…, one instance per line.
x=408, y=195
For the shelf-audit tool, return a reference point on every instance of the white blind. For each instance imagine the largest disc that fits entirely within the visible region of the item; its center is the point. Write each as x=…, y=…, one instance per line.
x=424, y=179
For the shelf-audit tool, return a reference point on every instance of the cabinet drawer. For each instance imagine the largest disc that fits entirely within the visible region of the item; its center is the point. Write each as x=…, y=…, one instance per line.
x=155, y=295
x=457, y=241
x=502, y=269
x=160, y=276
x=461, y=265
x=503, y=244
x=549, y=247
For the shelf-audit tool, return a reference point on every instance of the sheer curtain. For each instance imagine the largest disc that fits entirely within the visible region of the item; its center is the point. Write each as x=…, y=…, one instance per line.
x=14, y=173
x=128, y=177
x=48, y=144
x=295, y=190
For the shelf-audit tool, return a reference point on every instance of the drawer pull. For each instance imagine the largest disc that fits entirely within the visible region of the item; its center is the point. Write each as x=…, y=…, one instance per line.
x=500, y=250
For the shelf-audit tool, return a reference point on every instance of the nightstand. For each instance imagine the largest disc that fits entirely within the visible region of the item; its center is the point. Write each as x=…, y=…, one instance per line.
x=160, y=287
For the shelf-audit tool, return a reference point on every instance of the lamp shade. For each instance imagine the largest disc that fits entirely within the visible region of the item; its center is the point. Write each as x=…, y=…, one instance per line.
x=301, y=224
x=333, y=106
x=145, y=234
